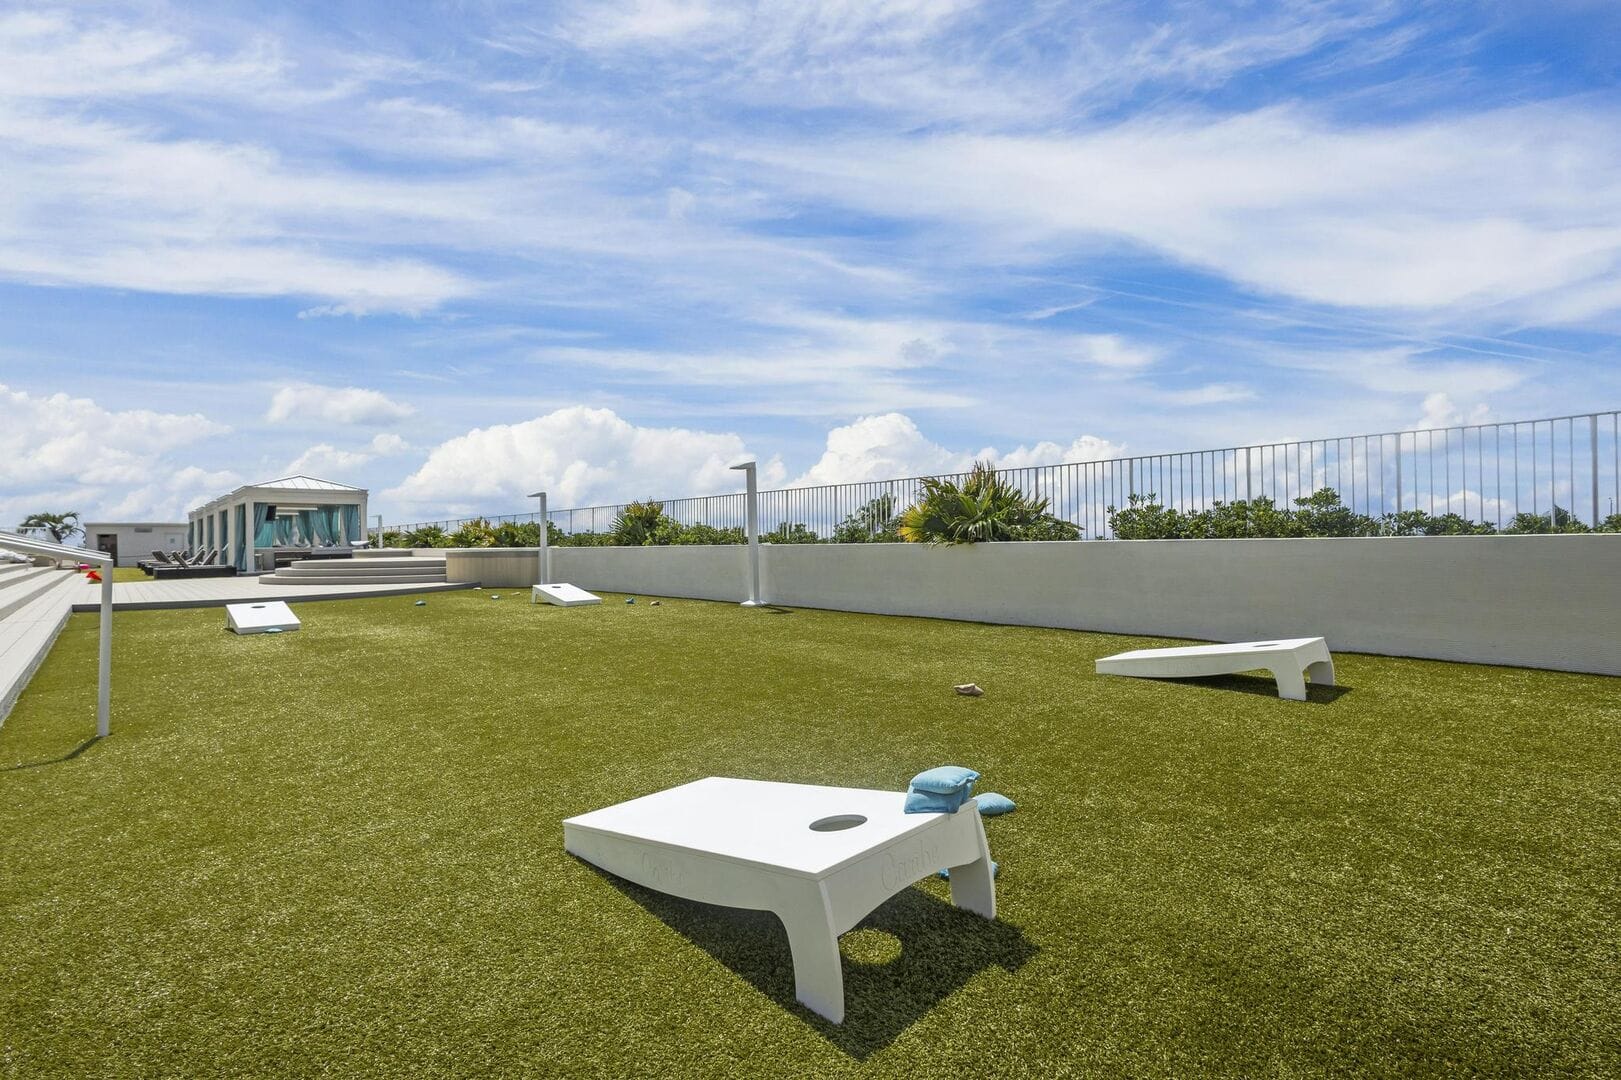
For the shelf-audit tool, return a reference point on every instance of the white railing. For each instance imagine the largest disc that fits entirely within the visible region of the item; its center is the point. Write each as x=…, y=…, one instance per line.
x=1565, y=469
x=27, y=545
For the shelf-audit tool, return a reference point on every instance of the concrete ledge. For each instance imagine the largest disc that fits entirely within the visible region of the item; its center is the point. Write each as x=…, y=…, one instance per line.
x=1531, y=601
x=500, y=568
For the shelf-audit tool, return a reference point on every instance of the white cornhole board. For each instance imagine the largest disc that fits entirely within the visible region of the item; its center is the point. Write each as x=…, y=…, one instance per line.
x=563, y=595
x=260, y=618
x=752, y=844
x=1286, y=659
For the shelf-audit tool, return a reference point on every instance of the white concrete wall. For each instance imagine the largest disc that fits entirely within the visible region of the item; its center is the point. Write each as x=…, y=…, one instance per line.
x=700, y=572
x=501, y=568
x=1535, y=601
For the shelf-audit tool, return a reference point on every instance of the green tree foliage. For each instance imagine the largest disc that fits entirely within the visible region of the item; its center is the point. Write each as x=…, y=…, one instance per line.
x=428, y=536
x=982, y=508
x=58, y=526
x=473, y=534
x=874, y=522
x=643, y=524
x=1559, y=521
x=394, y=538
x=709, y=534
x=1611, y=524
x=1419, y=523
x=1318, y=514
x=795, y=533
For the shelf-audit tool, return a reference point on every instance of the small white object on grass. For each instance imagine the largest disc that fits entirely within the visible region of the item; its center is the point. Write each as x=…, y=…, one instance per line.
x=654, y=604
x=969, y=690
x=270, y=617
x=630, y=599
x=422, y=603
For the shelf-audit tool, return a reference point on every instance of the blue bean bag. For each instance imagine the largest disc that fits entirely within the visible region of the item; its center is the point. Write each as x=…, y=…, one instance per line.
x=991, y=804
x=940, y=790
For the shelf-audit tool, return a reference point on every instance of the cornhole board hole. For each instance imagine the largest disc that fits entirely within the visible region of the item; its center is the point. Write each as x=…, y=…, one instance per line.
x=563, y=595
x=819, y=858
x=260, y=618
x=1286, y=660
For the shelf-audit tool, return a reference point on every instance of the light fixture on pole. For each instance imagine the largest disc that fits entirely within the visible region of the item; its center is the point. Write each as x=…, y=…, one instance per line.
x=753, y=511
x=545, y=576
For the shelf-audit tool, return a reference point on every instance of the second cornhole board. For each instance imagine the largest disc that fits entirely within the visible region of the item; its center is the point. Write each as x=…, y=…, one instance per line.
x=563, y=595
x=263, y=618
x=1290, y=660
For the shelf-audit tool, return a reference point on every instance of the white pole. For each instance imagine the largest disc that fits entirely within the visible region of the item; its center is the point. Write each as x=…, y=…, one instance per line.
x=545, y=552
x=104, y=675
x=752, y=504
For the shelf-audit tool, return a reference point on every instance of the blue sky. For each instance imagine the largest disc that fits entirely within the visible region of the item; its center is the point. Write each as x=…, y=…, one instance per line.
x=454, y=253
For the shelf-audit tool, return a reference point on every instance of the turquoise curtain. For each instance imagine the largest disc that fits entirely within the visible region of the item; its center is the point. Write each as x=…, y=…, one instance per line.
x=209, y=542
x=284, y=532
x=191, y=536
x=241, y=536
x=326, y=525
x=306, y=527
x=264, y=530
x=351, y=524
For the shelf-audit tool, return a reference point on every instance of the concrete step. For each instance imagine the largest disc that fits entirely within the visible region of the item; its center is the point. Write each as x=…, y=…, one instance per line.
x=336, y=565
x=381, y=573
x=16, y=594
x=27, y=634
x=355, y=579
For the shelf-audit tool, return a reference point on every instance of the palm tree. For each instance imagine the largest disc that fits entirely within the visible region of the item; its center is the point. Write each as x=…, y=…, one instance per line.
x=983, y=508
x=60, y=526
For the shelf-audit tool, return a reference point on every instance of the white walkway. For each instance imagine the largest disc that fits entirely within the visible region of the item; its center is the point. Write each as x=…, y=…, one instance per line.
x=217, y=592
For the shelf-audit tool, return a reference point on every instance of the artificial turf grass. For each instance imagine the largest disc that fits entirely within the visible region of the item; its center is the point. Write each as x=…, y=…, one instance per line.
x=339, y=851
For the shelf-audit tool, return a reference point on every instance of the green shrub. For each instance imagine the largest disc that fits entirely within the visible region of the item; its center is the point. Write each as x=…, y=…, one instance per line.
x=1559, y=521
x=983, y=508
x=644, y=524
x=797, y=533
x=875, y=522
x=473, y=534
x=428, y=536
x=709, y=534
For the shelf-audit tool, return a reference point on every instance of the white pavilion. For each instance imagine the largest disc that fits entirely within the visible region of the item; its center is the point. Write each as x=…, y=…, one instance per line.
x=293, y=512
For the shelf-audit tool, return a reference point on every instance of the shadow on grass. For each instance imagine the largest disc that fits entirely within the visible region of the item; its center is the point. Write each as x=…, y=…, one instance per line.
x=942, y=947
x=69, y=756
x=1263, y=685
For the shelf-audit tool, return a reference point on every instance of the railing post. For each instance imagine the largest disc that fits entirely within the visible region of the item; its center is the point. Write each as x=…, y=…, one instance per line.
x=545, y=569
x=1592, y=438
x=1398, y=472
x=752, y=509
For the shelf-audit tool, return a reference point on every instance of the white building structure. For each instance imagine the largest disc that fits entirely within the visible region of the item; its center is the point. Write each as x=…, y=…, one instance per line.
x=132, y=541
x=293, y=512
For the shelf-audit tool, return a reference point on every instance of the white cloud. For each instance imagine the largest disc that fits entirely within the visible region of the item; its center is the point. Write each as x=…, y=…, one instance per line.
x=891, y=446
x=337, y=405
x=1457, y=212
x=325, y=460
x=1209, y=394
x=1114, y=351
x=75, y=454
x=1440, y=412
x=580, y=456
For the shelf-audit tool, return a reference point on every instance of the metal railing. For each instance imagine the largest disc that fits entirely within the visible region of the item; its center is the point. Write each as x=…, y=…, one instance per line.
x=1567, y=468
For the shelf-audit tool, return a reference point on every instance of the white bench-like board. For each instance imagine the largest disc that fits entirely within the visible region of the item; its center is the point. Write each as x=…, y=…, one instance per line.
x=27, y=634
x=820, y=858
x=1291, y=661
